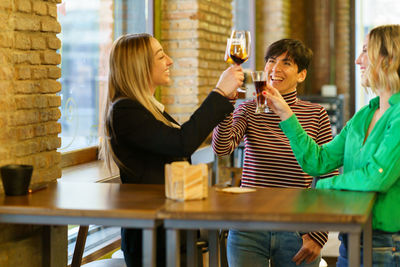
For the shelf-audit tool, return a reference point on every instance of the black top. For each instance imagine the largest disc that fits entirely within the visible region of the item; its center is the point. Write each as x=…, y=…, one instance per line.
x=144, y=144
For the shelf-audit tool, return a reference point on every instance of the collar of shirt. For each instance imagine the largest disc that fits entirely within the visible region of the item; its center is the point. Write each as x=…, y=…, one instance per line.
x=160, y=106
x=290, y=98
x=393, y=100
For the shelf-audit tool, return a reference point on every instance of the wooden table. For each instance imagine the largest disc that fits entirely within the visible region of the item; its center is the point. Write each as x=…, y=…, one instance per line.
x=273, y=209
x=108, y=204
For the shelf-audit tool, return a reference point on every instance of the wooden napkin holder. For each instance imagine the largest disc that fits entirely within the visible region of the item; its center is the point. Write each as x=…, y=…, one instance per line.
x=184, y=181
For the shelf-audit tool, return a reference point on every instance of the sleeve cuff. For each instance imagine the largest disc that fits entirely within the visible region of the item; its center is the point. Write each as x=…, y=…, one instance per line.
x=291, y=127
x=222, y=100
x=324, y=183
x=319, y=237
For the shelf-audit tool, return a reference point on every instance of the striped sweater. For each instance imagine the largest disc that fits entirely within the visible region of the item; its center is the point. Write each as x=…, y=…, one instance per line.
x=268, y=157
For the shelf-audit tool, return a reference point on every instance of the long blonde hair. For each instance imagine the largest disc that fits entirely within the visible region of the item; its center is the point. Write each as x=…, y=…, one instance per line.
x=383, y=50
x=131, y=63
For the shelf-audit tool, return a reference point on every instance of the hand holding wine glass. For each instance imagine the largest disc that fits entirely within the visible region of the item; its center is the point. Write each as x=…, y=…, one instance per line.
x=277, y=103
x=230, y=79
x=238, y=48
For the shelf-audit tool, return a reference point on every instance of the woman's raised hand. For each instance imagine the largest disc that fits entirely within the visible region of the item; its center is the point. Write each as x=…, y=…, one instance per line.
x=230, y=80
x=277, y=103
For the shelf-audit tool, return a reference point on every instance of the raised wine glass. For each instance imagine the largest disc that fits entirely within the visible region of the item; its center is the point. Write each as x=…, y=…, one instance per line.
x=238, y=48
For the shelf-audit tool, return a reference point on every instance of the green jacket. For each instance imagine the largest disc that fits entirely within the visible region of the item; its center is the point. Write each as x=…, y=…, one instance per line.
x=372, y=166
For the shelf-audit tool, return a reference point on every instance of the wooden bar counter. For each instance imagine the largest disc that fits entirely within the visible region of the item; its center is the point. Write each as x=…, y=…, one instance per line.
x=126, y=205
x=273, y=209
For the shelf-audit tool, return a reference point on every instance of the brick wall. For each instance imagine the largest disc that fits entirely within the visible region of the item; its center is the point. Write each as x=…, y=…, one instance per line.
x=343, y=62
x=29, y=108
x=320, y=39
x=272, y=24
x=322, y=25
x=194, y=34
x=298, y=20
x=298, y=30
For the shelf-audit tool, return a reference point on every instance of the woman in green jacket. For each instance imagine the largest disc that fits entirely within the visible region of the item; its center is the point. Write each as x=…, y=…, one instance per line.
x=368, y=147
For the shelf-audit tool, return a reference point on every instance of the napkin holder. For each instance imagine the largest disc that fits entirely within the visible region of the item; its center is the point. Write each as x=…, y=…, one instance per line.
x=184, y=181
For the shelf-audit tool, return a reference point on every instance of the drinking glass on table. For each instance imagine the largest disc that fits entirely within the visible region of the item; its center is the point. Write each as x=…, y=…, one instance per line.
x=260, y=84
x=238, y=49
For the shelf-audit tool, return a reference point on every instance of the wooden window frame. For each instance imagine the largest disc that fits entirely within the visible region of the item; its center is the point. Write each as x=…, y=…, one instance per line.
x=80, y=156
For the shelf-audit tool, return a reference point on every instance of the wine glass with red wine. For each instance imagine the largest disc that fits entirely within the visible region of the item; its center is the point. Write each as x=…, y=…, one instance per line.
x=238, y=48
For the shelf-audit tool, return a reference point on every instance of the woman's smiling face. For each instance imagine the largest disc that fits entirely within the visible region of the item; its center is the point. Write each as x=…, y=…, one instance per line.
x=283, y=73
x=363, y=62
x=162, y=62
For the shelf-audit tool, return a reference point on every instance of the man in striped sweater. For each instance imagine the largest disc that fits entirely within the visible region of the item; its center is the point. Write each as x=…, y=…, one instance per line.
x=269, y=160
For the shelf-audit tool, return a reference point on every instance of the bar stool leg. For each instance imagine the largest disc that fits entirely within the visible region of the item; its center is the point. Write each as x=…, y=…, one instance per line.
x=191, y=248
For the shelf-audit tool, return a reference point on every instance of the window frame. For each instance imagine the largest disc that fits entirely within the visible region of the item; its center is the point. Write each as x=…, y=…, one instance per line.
x=90, y=153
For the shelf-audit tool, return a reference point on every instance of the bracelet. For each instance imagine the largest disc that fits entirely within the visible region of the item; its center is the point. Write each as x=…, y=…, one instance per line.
x=220, y=91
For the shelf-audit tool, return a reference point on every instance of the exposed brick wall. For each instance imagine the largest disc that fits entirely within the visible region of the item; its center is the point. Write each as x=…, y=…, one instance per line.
x=298, y=20
x=194, y=34
x=29, y=108
x=343, y=62
x=319, y=24
x=320, y=44
x=272, y=24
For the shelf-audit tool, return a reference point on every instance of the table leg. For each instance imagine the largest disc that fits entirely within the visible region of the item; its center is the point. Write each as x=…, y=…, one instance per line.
x=173, y=248
x=46, y=246
x=354, y=249
x=367, y=243
x=149, y=247
x=54, y=246
x=213, y=248
x=191, y=248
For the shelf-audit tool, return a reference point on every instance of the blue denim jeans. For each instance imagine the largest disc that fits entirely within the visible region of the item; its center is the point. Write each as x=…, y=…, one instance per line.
x=254, y=249
x=385, y=250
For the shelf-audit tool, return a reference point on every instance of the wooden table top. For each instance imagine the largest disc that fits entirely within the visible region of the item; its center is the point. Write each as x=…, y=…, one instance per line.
x=107, y=200
x=124, y=201
x=276, y=205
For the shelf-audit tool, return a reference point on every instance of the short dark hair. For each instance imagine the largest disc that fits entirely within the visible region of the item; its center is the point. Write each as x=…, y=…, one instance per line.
x=296, y=50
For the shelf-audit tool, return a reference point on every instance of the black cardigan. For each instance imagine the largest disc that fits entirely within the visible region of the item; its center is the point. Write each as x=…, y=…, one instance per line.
x=144, y=145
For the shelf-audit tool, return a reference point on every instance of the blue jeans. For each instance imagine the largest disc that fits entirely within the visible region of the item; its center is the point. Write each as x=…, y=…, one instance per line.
x=385, y=250
x=256, y=248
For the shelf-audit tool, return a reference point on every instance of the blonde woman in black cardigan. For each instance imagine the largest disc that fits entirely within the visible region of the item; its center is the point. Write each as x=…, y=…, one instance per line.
x=139, y=135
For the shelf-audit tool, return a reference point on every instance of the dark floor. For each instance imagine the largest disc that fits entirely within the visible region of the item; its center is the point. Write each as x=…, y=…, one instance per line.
x=331, y=261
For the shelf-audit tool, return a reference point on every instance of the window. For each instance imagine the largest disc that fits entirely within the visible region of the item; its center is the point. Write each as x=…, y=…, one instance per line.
x=133, y=16
x=371, y=13
x=88, y=29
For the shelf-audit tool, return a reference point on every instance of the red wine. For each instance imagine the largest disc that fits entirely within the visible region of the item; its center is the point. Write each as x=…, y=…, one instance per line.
x=238, y=60
x=260, y=87
x=238, y=54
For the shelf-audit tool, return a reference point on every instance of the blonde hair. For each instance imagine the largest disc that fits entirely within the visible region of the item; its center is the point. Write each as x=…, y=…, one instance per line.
x=383, y=50
x=131, y=63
